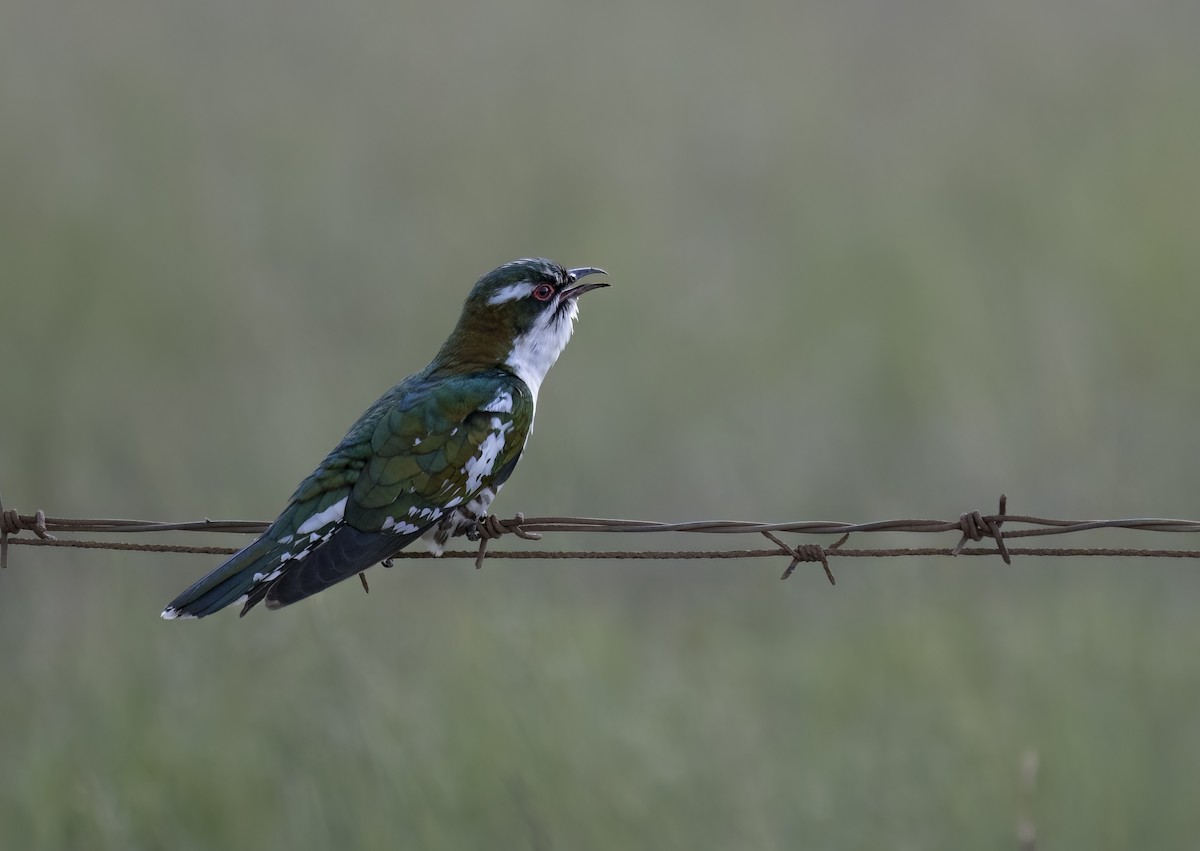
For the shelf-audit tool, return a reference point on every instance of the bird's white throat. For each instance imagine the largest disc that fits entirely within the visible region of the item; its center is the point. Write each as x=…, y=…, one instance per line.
x=535, y=351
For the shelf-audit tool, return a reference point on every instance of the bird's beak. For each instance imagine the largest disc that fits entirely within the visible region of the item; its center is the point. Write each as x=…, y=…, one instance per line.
x=575, y=274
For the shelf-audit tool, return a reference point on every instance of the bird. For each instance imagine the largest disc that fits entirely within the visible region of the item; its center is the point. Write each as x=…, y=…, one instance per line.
x=425, y=460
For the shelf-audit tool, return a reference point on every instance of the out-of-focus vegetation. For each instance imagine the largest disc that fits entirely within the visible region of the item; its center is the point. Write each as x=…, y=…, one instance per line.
x=870, y=259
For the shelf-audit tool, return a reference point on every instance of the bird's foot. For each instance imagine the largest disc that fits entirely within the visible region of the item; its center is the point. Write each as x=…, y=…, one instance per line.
x=475, y=527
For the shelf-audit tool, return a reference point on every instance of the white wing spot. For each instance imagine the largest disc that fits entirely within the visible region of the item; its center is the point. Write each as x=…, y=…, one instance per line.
x=484, y=462
x=331, y=514
x=401, y=528
x=502, y=404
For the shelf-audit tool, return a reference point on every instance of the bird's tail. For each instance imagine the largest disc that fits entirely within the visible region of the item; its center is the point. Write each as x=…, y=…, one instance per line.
x=232, y=582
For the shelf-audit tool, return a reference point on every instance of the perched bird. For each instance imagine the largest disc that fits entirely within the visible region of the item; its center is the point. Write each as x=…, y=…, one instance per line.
x=425, y=460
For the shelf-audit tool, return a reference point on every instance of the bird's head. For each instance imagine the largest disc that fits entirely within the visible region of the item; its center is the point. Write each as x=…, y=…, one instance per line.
x=519, y=316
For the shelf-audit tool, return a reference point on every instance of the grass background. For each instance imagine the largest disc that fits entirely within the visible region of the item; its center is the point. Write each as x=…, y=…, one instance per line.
x=870, y=259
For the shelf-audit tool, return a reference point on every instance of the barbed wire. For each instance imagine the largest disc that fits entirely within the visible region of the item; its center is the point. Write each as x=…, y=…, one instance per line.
x=972, y=526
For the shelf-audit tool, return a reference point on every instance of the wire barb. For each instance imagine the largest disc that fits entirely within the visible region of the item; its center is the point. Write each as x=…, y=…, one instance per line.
x=492, y=527
x=976, y=527
x=806, y=552
x=11, y=523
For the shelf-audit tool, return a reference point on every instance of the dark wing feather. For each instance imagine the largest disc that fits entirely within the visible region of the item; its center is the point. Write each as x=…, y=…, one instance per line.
x=347, y=552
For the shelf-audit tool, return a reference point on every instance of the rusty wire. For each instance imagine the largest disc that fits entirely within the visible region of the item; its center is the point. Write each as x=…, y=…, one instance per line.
x=971, y=526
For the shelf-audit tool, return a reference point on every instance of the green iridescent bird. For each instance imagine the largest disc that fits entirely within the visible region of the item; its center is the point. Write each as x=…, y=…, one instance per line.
x=426, y=460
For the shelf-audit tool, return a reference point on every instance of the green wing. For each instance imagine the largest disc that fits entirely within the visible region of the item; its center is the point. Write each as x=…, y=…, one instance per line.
x=465, y=435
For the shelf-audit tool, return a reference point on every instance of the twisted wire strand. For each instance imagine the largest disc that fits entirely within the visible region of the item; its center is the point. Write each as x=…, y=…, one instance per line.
x=972, y=526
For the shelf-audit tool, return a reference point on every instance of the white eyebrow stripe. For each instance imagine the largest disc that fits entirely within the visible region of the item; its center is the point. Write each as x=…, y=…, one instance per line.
x=511, y=293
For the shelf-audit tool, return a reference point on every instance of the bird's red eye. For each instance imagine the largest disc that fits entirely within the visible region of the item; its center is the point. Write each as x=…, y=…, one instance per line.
x=542, y=292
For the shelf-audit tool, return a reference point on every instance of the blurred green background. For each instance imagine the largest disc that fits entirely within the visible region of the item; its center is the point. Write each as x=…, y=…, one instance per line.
x=870, y=260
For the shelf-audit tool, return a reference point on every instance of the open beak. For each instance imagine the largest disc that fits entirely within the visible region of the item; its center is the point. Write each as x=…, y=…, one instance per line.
x=575, y=274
